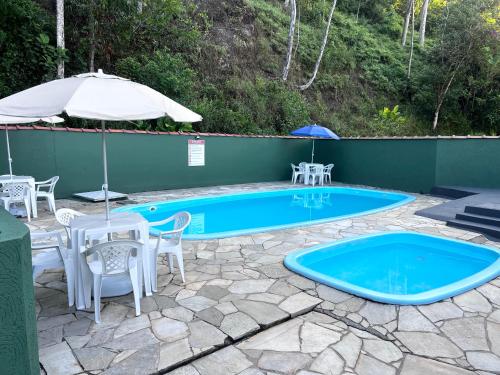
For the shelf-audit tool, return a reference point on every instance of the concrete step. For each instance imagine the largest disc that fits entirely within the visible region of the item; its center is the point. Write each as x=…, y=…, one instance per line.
x=482, y=210
x=488, y=220
x=489, y=230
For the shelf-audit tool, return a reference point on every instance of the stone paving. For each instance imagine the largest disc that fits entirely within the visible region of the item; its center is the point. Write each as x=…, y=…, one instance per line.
x=242, y=312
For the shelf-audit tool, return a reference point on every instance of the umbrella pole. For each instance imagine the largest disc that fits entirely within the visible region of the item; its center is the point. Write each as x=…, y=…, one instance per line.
x=105, y=161
x=312, y=154
x=8, y=150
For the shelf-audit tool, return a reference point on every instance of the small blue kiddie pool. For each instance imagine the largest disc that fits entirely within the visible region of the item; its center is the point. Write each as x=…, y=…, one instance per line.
x=404, y=268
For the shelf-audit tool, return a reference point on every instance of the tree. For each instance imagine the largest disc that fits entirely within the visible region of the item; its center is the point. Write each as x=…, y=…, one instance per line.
x=100, y=32
x=92, y=35
x=423, y=22
x=462, y=37
x=409, y=7
x=60, y=36
x=357, y=11
x=27, y=54
x=322, y=50
x=298, y=33
x=412, y=36
x=291, y=33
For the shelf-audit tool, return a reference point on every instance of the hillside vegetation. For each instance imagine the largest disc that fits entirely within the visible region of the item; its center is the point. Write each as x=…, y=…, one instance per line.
x=224, y=59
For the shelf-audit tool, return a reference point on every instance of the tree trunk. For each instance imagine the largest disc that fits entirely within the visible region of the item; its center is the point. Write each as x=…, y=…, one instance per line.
x=423, y=22
x=322, y=50
x=60, y=35
x=291, y=33
x=298, y=34
x=407, y=22
x=412, y=36
x=357, y=11
x=139, y=6
x=92, y=27
x=443, y=93
x=441, y=97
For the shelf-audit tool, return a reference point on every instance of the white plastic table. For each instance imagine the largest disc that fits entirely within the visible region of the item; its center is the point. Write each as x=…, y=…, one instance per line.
x=24, y=180
x=96, y=226
x=308, y=167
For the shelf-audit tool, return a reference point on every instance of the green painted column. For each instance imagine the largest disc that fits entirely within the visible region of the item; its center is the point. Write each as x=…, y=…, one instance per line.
x=18, y=335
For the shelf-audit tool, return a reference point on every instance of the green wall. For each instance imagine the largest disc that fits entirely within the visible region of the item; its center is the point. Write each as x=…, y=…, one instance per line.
x=145, y=162
x=414, y=165
x=18, y=339
x=472, y=162
x=395, y=164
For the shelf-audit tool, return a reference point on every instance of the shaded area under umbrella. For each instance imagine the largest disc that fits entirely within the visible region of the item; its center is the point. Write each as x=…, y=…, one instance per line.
x=96, y=96
x=10, y=120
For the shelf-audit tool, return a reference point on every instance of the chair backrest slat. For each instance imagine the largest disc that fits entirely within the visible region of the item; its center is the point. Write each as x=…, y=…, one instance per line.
x=64, y=217
x=317, y=169
x=181, y=222
x=114, y=255
x=328, y=168
x=17, y=191
x=53, y=182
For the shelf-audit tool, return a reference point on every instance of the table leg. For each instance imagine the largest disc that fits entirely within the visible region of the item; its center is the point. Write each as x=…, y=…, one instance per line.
x=145, y=260
x=75, y=248
x=34, y=210
x=84, y=278
x=87, y=281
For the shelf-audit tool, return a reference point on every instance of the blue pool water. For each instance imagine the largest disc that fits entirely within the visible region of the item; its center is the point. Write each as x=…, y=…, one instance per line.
x=398, y=267
x=237, y=214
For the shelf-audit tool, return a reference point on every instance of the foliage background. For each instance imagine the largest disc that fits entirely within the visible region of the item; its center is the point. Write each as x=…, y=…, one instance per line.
x=224, y=58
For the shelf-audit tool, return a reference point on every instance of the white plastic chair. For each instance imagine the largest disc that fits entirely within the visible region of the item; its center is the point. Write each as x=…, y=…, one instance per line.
x=111, y=259
x=17, y=193
x=298, y=172
x=48, y=194
x=64, y=217
x=53, y=259
x=170, y=243
x=316, y=172
x=327, y=173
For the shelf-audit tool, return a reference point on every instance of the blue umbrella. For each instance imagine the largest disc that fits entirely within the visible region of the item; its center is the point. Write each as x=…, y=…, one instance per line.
x=315, y=131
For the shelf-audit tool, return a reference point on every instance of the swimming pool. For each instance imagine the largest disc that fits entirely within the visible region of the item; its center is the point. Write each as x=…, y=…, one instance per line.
x=245, y=213
x=405, y=268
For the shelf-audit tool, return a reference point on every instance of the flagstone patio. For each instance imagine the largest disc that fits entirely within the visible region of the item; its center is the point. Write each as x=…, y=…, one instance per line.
x=242, y=312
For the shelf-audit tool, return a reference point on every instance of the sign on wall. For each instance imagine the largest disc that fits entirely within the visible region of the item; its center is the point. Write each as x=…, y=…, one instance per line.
x=196, y=153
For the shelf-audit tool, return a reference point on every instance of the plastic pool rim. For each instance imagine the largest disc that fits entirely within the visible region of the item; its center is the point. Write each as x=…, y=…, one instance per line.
x=434, y=295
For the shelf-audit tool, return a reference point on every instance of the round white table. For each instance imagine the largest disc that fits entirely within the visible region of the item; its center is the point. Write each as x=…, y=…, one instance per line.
x=96, y=226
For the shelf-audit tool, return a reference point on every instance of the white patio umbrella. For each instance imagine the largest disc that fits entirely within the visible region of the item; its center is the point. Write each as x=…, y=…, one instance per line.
x=9, y=120
x=96, y=96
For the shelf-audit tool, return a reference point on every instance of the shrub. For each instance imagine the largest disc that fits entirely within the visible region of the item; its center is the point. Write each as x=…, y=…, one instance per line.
x=28, y=55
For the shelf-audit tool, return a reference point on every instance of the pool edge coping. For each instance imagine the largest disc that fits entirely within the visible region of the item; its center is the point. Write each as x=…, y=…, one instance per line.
x=432, y=296
x=243, y=232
